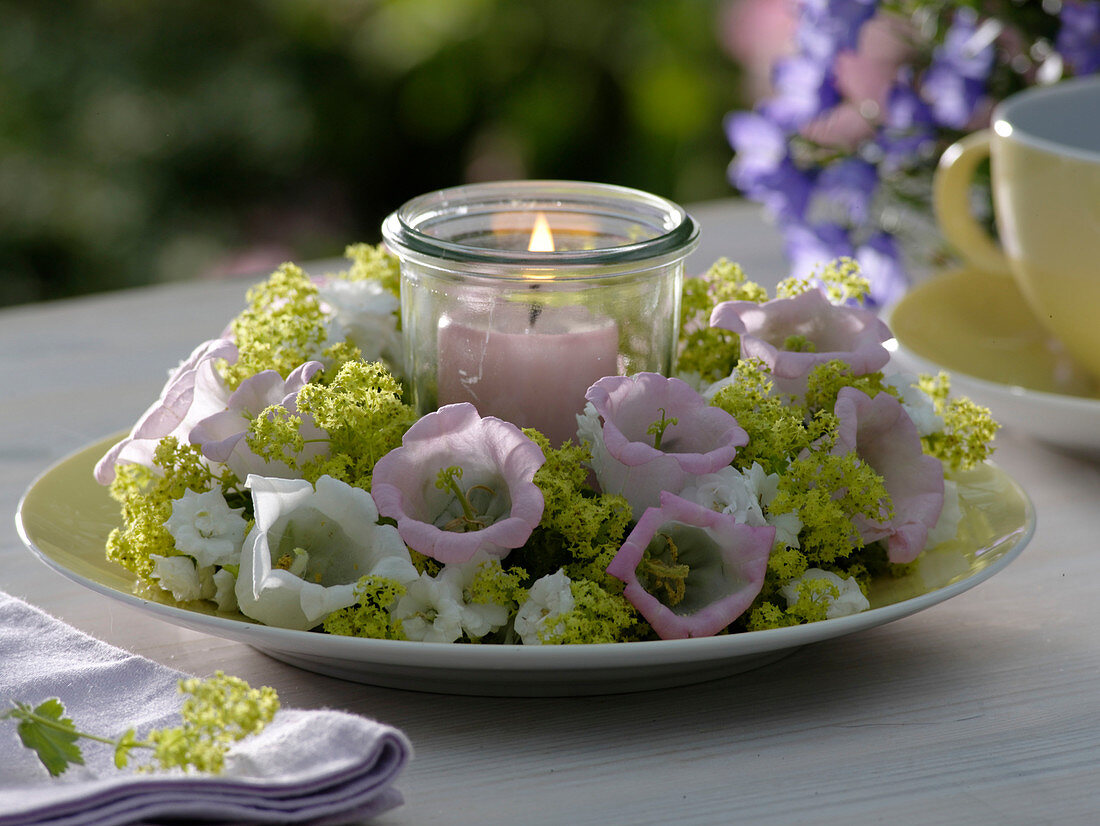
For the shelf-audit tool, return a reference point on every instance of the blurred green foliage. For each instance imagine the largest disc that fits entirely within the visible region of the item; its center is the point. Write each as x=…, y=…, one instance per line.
x=143, y=142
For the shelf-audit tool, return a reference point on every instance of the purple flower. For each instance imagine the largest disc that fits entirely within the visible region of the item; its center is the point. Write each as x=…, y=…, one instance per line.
x=762, y=168
x=804, y=89
x=908, y=136
x=968, y=45
x=760, y=144
x=881, y=433
x=193, y=391
x=1079, y=36
x=955, y=82
x=460, y=483
x=848, y=185
x=691, y=571
x=650, y=433
x=951, y=98
x=809, y=245
x=221, y=435
x=880, y=262
x=830, y=26
x=824, y=331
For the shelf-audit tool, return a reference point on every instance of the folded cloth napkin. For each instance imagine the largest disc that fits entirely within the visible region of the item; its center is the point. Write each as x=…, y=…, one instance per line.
x=317, y=767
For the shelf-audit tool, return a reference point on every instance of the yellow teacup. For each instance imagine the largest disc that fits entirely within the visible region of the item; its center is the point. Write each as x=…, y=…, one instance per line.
x=1044, y=150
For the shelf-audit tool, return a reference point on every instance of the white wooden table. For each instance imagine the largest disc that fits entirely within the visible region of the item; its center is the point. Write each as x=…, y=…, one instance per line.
x=985, y=709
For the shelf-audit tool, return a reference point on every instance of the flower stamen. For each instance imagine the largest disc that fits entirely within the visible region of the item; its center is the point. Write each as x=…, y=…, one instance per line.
x=666, y=572
x=471, y=519
x=799, y=344
x=295, y=562
x=658, y=428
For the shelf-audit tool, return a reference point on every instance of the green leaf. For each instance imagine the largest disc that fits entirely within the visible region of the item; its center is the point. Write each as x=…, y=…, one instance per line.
x=51, y=736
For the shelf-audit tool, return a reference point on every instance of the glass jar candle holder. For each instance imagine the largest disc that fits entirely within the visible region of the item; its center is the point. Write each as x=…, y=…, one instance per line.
x=517, y=296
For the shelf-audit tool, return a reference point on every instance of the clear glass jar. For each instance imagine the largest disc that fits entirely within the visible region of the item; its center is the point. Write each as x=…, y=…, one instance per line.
x=495, y=314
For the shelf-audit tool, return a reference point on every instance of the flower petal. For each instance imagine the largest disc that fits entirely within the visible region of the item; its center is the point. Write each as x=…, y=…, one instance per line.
x=700, y=439
x=850, y=334
x=193, y=390
x=491, y=452
x=335, y=526
x=727, y=561
x=881, y=433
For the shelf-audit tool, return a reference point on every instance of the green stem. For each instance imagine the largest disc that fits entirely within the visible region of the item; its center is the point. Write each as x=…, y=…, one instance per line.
x=448, y=480
x=22, y=712
x=470, y=519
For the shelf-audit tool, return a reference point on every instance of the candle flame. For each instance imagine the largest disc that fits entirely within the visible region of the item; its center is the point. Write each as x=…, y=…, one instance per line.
x=542, y=240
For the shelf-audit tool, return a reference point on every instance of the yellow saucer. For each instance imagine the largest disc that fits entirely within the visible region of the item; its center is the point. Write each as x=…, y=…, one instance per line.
x=977, y=327
x=977, y=323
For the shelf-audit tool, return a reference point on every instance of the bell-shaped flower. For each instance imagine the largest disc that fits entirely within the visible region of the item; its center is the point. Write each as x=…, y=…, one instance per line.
x=460, y=484
x=794, y=335
x=842, y=595
x=918, y=404
x=180, y=575
x=194, y=391
x=691, y=571
x=881, y=434
x=222, y=434
x=549, y=598
x=188, y=580
x=430, y=610
x=205, y=528
x=364, y=313
x=649, y=433
x=745, y=495
x=308, y=549
x=438, y=609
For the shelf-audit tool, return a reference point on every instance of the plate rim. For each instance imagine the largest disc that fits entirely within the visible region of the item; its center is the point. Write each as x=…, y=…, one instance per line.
x=514, y=660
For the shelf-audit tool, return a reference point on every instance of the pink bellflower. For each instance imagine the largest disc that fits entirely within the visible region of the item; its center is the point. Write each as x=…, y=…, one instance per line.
x=883, y=435
x=461, y=483
x=816, y=329
x=221, y=435
x=691, y=571
x=649, y=433
x=194, y=391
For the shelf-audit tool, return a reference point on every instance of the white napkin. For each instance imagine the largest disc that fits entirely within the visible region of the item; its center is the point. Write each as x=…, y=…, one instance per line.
x=318, y=767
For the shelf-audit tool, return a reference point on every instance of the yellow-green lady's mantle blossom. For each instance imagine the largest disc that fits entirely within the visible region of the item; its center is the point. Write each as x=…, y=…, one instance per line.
x=374, y=263
x=370, y=615
x=709, y=352
x=146, y=496
x=580, y=530
x=598, y=615
x=969, y=429
x=777, y=428
x=362, y=413
x=841, y=280
x=282, y=327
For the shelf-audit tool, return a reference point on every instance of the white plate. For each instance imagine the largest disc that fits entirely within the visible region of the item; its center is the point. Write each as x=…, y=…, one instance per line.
x=978, y=328
x=64, y=519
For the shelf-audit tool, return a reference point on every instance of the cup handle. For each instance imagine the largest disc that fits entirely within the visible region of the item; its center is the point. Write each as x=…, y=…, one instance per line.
x=951, y=203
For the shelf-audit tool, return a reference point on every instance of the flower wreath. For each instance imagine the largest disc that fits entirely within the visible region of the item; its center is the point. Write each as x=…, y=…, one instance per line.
x=282, y=474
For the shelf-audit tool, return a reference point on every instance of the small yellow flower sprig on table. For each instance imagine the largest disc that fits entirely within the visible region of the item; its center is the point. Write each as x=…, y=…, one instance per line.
x=217, y=713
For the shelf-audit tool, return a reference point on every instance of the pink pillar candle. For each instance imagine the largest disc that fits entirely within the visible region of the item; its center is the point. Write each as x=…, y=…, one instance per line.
x=532, y=373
